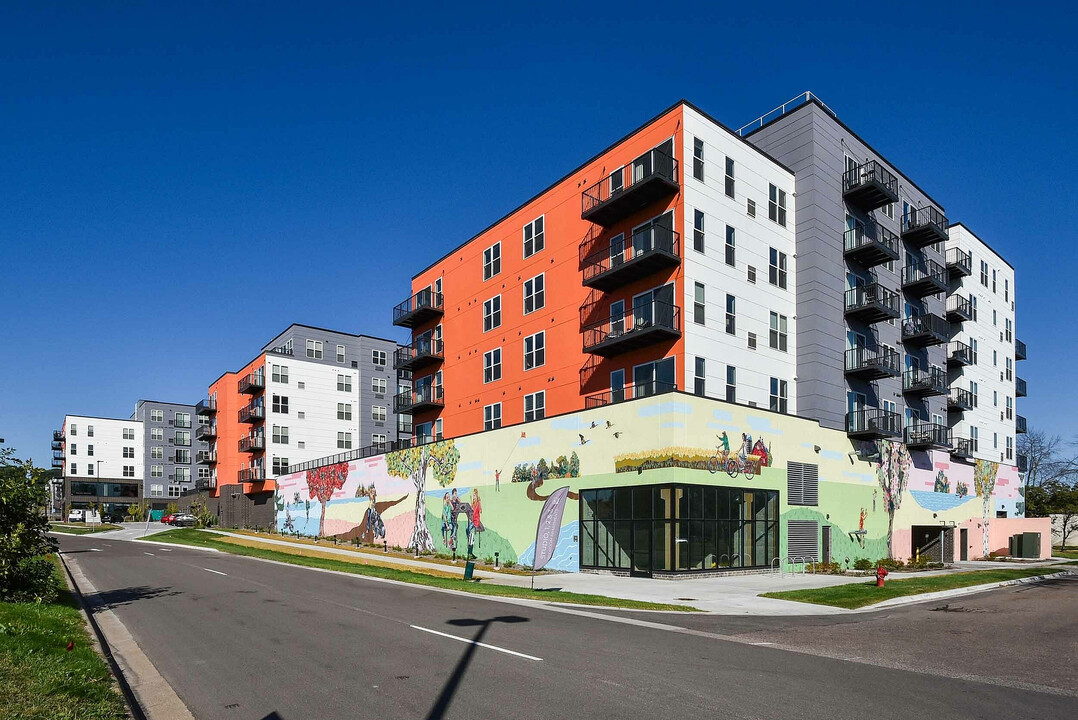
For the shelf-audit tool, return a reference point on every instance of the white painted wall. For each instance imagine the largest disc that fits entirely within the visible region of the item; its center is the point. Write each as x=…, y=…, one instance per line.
x=108, y=443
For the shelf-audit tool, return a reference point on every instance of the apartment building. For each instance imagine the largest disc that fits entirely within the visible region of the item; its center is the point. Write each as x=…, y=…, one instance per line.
x=984, y=384
x=101, y=462
x=664, y=262
x=309, y=393
x=873, y=330
x=171, y=451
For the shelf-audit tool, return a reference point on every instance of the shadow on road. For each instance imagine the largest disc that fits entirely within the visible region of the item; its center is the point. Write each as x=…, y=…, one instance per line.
x=441, y=705
x=108, y=599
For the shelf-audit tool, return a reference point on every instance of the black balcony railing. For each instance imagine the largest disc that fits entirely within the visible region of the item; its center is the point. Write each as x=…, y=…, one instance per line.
x=959, y=308
x=1019, y=350
x=416, y=400
x=647, y=324
x=924, y=278
x=651, y=249
x=207, y=406
x=1020, y=425
x=629, y=392
x=205, y=432
x=424, y=350
x=425, y=305
x=873, y=423
x=869, y=185
x=1022, y=462
x=285, y=350
x=871, y=303
x=959, y=399
x=872, y=364
x=252, y=383
x=59, y=434
x=927, y=435
x=924, y=226
x=247, y=475
x=252, y=443
x=357, y=454
x=932, y=381
x=651, y=177
x=963, y=447
x=871, y=246
x=57, y=462
x=959, y=354
x=925, y=330
x=959, y=263
x=57, y=445
x=255, y=412
x=1019, y=387
x=57, y=454
x=206, y=457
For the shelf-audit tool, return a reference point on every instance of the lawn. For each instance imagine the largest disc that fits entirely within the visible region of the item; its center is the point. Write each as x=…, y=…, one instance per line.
x=858, y=595
x=82, y=529
x=433, y=578
x=39, y=678
x=1071, y=554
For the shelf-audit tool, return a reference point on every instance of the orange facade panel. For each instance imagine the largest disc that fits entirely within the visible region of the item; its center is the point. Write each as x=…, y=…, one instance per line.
x=229, y=429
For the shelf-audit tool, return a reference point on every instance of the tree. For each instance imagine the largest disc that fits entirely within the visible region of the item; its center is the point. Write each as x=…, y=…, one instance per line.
x=892, y=473
x=25, y=573
x=1064, y=511
x=321, y=484
x=1048, y=459
x=984, y=483
x=413, y=463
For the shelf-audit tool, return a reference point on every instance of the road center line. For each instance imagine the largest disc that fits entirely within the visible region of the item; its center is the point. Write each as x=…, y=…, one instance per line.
x=215, y=571
x=473, y=642
x=146, y=553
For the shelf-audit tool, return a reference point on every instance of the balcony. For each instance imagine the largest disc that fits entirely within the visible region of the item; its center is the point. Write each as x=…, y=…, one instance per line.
x=963, y=447
x=630, y=392
x=252, y=443
x=871, y=303
x=422, y=307
x=253, y=413
x=1020, y=425
x=924, y=383
x=57, y=463
x=252, y=383
x=926, y=436
x=924, y=278
x=58, y=455
x=58, y=435
x=869, y=186
x=871, y=365
x=417, y=400
x=206, y=432
x=285, y=350
x=423, y=351
x=57, y=445
x=1019, y=349
x=206, y=457
x=959, y=399
x=646, y=325
x=651, y=177
x=871, y=246
x=959, y=309
x=873, y=423
x=206, y=407
x=959, y=354
x=925, y=330
x=247, y=475
x=959, y=263
x=652, y=249
x=1021, y=462
x=1019, y=387
x=924, y=226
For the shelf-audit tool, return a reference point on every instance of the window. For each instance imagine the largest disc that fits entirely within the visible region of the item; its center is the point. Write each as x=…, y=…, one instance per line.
x=698, y=159
x=157, y=471
x=776, y=205
x=203, y=473
x=90, y=450
x=344, y=382
x=279, y=373
x=183, y=474
x=995, y=398
x=378, y=413
x=730, y=259
x=698, y=304
x=344, y=441
x=973, y=349
x=777, y=337
x=492, y=365
x=729, y=177
x=751, y=274
x=1009, y=369
x=1006, y=289
x=280, y=404
x=731, y=315
x=74, y=429
x=534, y=297
x=492, y=261
x=534, y=351
x=89, y=431
x=698, y=231
x=344, y=411
x=778, y=395
x=974, y=388
x=340, y=354
x=984, y=273
x=89, y=468
x=378, y=439
x=129, y=471
x=1010, y=448
x=378, y=385
x=72, y=449
x=314, y=349
x=378, y=357
x=699, y=377
x=280, y=465
x=535, y=406
x=492, y=313
x=157, y=452
x=993, y=279
x=1010, y=408
x=776, y=271
x=157, y=433
x=280, y=435
x=731, y=383
x=157, y=490
x=492, y=416
x=889, y=210
x=752, y=341
x=1007, y=326
x=993, y=318
x=128, y=452
x=183, y=420
x=534, y=240
x=73, y=469
x=750, y=208
x=183, y=456
x=157, y=415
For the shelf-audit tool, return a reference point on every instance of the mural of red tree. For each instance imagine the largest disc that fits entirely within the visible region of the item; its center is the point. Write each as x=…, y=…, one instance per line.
x=412, y=463
x=893, y=474
x=322, y=482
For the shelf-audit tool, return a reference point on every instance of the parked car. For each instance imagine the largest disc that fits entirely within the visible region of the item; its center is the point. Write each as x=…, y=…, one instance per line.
x=184, y=520
x=76, y=516
x=167, y=518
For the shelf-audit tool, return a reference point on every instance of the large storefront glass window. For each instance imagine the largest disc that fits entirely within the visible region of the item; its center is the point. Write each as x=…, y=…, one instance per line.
x=675, y=528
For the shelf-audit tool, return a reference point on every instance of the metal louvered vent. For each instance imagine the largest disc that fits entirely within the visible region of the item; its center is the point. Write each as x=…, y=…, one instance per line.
x=803, y=539
x=802, y=483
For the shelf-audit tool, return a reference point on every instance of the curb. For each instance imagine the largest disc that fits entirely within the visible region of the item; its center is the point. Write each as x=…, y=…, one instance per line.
x=958, y=592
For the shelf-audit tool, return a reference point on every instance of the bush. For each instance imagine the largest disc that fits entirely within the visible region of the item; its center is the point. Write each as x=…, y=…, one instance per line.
x=891, y=564
x=34, y=581
x=862, y=564
x=24, y=493
x=821, y=567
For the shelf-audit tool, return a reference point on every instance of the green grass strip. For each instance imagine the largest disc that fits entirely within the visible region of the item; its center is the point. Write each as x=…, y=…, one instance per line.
x=856, y=595
x=82, y=529
x=201, y=538
x=1069, y=554
x=39, y=678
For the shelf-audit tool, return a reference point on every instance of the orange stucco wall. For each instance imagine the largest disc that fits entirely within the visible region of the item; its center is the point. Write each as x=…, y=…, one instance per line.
x=465, y=291
x=229, y=429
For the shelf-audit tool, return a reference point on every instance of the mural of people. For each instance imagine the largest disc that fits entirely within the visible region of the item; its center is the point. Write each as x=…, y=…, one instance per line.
x=761, y=450
x=447, y=510
x=724, y=442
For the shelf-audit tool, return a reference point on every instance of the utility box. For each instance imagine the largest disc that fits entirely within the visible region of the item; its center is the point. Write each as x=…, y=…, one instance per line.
x=469, y=569
x=1014, y=543
x=1031, y=545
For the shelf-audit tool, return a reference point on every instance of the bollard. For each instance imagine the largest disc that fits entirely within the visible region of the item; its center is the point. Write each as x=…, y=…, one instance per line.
x=495, y=561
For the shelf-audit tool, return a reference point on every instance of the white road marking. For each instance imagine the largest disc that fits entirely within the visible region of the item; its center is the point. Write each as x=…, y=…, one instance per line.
x=166, y=549
x=473, y=642
x=215, y=571
x=95, y=549
x=146, y=553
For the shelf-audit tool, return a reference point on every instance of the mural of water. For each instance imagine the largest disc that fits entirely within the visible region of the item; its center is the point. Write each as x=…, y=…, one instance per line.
x=566, y=553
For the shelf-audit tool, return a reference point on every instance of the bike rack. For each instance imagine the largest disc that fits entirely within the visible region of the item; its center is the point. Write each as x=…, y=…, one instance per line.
x=776, y=564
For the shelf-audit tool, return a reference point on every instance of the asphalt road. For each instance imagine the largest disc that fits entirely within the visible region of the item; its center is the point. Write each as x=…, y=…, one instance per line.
x=242, y=638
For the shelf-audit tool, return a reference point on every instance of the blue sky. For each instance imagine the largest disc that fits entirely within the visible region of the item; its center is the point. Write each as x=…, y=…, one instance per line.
x=177, y=185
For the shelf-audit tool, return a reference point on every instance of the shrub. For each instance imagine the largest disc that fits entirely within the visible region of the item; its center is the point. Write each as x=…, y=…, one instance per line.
x=822, y=567
x=24, y=571
x=509, y=564
x=35, y=581
x=891, y=564
x=862, y=564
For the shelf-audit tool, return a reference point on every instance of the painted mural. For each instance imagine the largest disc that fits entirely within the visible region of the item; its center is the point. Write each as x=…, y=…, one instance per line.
x=449, y=496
